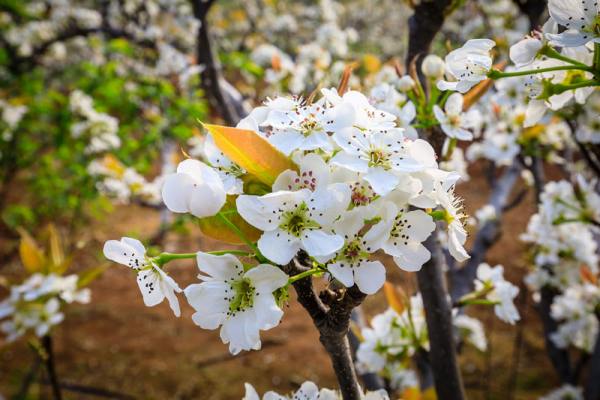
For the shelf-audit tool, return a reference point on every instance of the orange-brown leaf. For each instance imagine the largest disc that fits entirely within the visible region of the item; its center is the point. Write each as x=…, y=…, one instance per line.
x=395, y=297
x=32, y=256
x=251, y=151
x=215, y=228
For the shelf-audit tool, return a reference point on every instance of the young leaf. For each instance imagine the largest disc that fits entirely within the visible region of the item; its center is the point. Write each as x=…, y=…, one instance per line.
x=32, y=256
x=57, y=255
x=215, y=228
x=89, y=275
x=395, y=298
x=251, y=151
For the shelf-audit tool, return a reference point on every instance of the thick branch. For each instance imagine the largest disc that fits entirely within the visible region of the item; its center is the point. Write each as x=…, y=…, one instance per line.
x=559, y=357
x=50, y=367
x=462, y=279
x=438, y=313
x=222, y=96
x=592, y=387
x=423, y=25
x=333, y=324
x=533, y=9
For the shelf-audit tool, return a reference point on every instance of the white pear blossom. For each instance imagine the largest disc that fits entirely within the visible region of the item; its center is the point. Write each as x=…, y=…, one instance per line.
x=155, y=285
x=296, y=220
x=433, y=66
x=579, y=17
x=313, y=173
x=406, y=232
x=472, y=330
x=454, y=122
x=380, y=156
x=310, y=391
x=469, y=65
x=301, y=127
x=500, y=291
x=240, y=301
x=195, y=188
x=565, y=392
x=352, y=264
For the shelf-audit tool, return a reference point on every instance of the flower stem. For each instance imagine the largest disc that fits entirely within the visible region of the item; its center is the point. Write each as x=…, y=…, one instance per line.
x=242, y=236
x=552, y=53
x=303, y=275
x=164, y=258
x=560, y=88
x=496, y=74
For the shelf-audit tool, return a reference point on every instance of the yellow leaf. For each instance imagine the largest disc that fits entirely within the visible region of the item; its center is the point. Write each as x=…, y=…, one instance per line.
x=251, y=151
x=89, y=275
x=62, y=267
x=411, y=393
x=394, y=297
x=57, y=256
x=371, y=63
x=32, y=256
x=215, y=228
x=430, y=394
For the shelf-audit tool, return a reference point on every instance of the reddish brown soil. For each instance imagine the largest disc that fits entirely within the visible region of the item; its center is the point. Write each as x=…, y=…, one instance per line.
x=117, y=344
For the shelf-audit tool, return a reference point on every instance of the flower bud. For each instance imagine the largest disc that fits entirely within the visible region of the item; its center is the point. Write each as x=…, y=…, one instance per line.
x=405, y=83
x=433, y=66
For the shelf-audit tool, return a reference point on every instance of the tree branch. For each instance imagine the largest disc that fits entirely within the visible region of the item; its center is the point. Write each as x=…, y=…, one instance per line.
x=222, y=96
x=333, y=323
x=423, y=25
x=533, y=9
x=438, y=313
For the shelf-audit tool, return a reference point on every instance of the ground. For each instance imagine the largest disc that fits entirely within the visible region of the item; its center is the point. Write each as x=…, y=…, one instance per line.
x=117, y=344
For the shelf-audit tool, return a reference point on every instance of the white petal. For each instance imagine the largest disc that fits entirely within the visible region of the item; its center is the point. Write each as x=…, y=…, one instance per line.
x=445, y=85
x=525, y=51
x=278, y=246
x=149, y=284
x=534, y=113
x=136, y=244
x=268, y=314
x=250, y=392
x=319, y=243
x=412, y=256
x=206, y=200
x=454, y=104
x=344, y=273
x=351, y=162
x=267, y=278
x=121, y=253
x=176, y=191
x=369, y=276
x=219, y=267
x=570, y=38
x=382, y=181
x=287, y=142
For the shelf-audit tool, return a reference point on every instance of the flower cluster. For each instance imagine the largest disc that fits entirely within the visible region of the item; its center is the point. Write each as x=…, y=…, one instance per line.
x=310, y=391
x=354, y=184
x=122, y=183
x=387, y=346
x=491, y=285
x=36, y=304
x=100, y=129
x=566, y=261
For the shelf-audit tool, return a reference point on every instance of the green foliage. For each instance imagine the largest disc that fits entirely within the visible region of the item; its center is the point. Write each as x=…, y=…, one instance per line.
x=44, y=168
